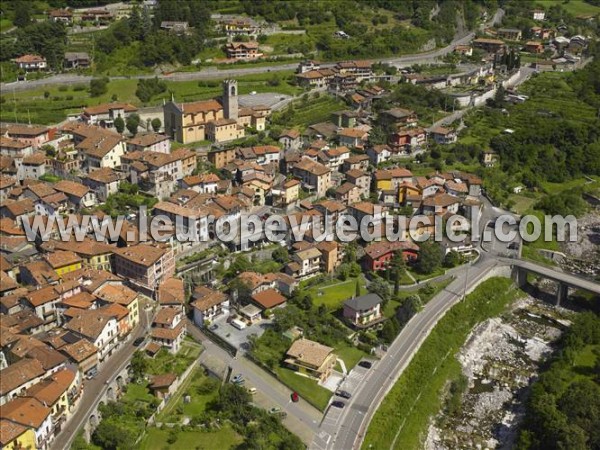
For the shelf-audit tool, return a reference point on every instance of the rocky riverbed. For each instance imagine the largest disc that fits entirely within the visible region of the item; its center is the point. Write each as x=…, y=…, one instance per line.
x=500, y=359
x=583, y=256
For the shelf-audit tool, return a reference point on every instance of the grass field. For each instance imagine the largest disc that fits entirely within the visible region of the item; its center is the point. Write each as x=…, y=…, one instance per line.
x=349, y=354
x=313, y=111
x=198, y=402
x=334, y=293
x=64, y=100
x=225, y=438
x=165, y=362
x=575, y=7
x=307, y=388
x=402, y=419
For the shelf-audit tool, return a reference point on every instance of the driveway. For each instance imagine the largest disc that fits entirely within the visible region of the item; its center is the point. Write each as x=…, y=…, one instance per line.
x=236, y=337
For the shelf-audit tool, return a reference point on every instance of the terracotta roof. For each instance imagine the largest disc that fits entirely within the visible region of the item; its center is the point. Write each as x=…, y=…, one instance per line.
x=202, y=106
x=169, y=334
x=72, y=188
x=166, y=316
x=51, y=389
x=400, y=172
x=25, y=411
x=104, y=175
x=269, y=298
x=377, y=249
x=35, y=159
x=147, y=139
x=25, y=130
x=79, y=351
x=9, y=431
x=121, y=295
x=18, y=374
x=62, y=258
x=356, y=173
x=171, y=292
x=30, y=59
x=309, y=352
x=311, y=166
x=457, y=187
x=207, y=298
x=293, y=134
x=345, y=188
x=162, y=381
x=352, y=132
x=88, y=323
x=142, y=254
x=253, y=279
x=82, y=300
x=20, y=207
x=42, y=296
x=106, y=107
x=47, y=356
x=119, y=312
x=442, y=200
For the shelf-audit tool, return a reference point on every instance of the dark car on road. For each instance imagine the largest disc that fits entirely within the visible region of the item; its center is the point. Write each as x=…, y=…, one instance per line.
x=343, y=394
x=138, y=342
x=338, y=404
x=365, y=364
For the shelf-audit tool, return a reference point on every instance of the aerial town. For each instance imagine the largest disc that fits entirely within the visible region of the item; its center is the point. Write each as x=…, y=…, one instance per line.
x=468, y=121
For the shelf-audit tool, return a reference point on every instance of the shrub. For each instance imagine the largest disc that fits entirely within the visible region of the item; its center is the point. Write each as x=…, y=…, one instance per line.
x=63, y=88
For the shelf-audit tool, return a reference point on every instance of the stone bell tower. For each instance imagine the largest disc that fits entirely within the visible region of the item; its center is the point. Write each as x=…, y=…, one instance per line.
x=230, y=99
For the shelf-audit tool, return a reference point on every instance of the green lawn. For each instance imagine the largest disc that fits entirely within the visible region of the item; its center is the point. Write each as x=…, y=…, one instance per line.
x=349, y=354
x=165, y=362
x=64, y=100
x=138, y=392
x=196, y=406
x=307, y=388
x=402, y=419
x=309, y=112
x=575, y=7
x=225, y=438
x=334, y=293
x=427, y=276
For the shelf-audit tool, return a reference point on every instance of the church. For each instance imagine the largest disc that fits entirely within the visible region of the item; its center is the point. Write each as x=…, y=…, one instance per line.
x=213, y=120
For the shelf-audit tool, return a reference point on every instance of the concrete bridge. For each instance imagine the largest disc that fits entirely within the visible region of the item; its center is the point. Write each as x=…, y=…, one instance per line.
x=565, y=281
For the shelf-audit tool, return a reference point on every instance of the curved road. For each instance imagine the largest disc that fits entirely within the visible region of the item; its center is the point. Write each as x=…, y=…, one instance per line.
x=214, y=73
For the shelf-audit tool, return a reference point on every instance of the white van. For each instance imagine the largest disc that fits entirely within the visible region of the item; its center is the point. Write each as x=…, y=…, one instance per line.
x=236, y=323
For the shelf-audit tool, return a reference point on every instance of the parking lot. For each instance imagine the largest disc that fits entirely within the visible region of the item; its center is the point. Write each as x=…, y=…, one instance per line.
x=236, y=337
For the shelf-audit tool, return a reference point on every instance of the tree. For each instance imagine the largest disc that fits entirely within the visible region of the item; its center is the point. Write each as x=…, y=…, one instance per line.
x=139, y=366
x=410, y=306
x=380, y=287
x=119, y=124
x=430, y=257
x=22, y=13
x=132, y=123
x=357, y=292
x=390, y=330
x=281, y=255
x=452, y=259
x=302, y=299
x=98, y=86
x=397, y=270
x=113, y=435
x=156, y=124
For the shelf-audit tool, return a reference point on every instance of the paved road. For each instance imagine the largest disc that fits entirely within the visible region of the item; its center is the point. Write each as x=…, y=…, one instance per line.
x=214, y=73
x=302, y=418
x=348, y=432
x=94, y=389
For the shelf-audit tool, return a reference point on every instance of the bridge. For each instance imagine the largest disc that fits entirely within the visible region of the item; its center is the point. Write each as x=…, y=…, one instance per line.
x=565, y=281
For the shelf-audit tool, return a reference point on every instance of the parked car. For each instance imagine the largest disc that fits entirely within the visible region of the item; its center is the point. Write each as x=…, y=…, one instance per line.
x=139, y=341
x=252, y=390
x=343, y=394
x=213, y=327
x=274, y=410
x=239, y=378
x=295, y=397
x=338, y=404
x=365, y=364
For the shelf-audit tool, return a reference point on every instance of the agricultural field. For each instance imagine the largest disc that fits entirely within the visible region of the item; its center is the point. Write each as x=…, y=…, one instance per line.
x=53, y=104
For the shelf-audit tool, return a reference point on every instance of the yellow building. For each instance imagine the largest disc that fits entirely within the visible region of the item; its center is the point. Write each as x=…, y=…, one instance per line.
x=64, y=261
x=383, y=180
x=408, y=191
x=123, y=296
x=291, y=190
x=219, y=120
x=59, y=393
x=14, y=436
